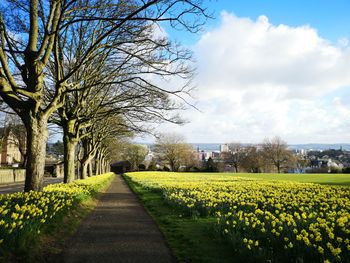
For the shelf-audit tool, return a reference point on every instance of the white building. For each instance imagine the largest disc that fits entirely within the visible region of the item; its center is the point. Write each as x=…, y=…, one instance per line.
x=224, y=148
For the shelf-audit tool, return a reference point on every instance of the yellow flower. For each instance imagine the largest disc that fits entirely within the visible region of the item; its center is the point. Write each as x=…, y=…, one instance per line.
x=320, y=250
x=336, y=251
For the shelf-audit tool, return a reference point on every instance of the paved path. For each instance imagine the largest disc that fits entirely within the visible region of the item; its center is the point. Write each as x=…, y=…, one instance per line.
x=118, y=230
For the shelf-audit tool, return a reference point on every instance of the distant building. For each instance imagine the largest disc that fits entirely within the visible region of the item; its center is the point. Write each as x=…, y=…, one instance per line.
x=10, y=151
x=215, y=155
x=54, y=167
x=224, y=148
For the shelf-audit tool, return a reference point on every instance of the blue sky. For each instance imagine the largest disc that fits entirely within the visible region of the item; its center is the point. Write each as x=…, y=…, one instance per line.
x=330, y=18
x=267, y=68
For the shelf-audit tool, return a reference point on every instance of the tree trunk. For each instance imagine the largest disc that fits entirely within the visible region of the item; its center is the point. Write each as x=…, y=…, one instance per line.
x=106, y=167
x=98, y=162
x=37, y=136
x=88, y=156
x=90, y=168
x=69, y=159
x=76, y=176
x=70, y=141
x=85, y=166
x=98, y=165
x=84, y=170
x=102, y=166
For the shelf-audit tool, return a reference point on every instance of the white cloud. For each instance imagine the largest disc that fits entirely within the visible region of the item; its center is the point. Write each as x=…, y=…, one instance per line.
x=258, y=80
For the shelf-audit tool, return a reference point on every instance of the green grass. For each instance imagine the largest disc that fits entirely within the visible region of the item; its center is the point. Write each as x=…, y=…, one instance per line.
x=330, y=179
x=191, y=239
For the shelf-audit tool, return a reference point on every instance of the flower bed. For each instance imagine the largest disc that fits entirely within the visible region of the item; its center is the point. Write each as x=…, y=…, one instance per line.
x=24, y=215
x=265, y=220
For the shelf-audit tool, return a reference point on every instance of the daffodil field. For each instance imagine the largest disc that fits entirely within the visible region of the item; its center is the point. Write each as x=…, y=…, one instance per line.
x=24, y=215
x=279, y=221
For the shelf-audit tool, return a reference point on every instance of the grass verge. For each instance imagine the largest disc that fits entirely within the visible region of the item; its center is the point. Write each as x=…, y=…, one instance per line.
x=191, y=239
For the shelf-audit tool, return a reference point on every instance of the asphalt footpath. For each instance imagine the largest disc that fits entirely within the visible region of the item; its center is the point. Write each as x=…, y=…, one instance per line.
x=118, y=230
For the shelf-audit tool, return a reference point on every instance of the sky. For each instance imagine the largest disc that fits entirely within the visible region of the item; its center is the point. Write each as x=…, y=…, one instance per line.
x=270, y=68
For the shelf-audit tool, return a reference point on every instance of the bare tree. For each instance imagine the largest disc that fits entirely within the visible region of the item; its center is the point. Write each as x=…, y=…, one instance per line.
x=190, y=158
x=235, y=155
x=253, y=160
x=172, y=149
x=30, y=33
x=276, y=153
x=94, y=141
x=135, y=154
x=118, y=80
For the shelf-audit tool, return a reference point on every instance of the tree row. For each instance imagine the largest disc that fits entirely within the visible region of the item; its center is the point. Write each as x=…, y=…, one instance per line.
x=99, y=69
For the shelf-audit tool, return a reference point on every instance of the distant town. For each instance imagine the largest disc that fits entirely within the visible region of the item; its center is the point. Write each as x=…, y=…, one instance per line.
x=308, y=158
x=172, y=153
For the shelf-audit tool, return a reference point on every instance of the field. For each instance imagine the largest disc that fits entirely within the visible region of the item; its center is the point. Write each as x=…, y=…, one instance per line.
x=264, y=217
